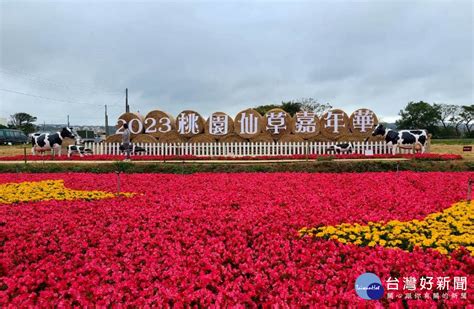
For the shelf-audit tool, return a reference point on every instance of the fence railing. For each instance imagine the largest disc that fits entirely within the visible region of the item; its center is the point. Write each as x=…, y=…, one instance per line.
x=243, y=149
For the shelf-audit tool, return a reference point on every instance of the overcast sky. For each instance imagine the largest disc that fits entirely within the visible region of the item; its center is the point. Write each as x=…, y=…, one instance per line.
x=72, y=57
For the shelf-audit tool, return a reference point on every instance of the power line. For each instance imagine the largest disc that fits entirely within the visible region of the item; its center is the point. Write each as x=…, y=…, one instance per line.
x=53, y=99
x=38, y=79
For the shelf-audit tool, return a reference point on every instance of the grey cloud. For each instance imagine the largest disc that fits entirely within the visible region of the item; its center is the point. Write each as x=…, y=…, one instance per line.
x=228, y=56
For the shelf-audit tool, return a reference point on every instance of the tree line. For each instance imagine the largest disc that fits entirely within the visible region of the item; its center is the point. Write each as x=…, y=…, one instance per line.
x=441, y=120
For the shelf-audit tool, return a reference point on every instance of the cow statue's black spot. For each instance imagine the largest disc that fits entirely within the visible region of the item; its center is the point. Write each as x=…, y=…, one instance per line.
x=40, y=140
x=54, y=139
x=408, y=138
x=417, y=132
x=422, y=140
x=392, y=136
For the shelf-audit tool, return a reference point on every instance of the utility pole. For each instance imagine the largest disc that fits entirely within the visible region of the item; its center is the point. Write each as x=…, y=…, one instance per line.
x=127, y=107
x=106, y=122
x=68, y=121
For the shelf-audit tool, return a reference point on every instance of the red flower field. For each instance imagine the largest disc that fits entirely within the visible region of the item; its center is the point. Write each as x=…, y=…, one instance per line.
x=219, y=239
x=75, y=157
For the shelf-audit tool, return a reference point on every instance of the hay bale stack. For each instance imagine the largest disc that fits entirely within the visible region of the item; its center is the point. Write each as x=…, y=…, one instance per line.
x=134, y=121
x=277, y=122
x=66, y=142
x=362, y=121
x=158, y=123
x=306, y=125
x=144, y=138
x=350, y=138
x=263, y=137
x=219, y=125
x=320, y=138
x=189, y=123
x=115, y=138
x=332, y=127
x=202, y=138
x=290, y=138
x=172, y=137
x=248, y=123
x=377, y=138
x=232, y=138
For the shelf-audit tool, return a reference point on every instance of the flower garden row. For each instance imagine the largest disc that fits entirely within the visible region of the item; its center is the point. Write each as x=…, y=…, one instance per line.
x=227, y=239
x=419, y=156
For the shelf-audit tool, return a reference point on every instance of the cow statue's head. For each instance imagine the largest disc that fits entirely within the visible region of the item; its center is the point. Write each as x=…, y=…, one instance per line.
x=379, y=129
x=67, y=132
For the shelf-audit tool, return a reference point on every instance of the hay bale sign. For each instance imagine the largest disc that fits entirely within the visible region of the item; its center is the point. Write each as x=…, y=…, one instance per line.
x=305, y=124
x=189, y=123
x=135, y=123
x=158, y=123
x=248, y=125
x=362, y=121
x=219, y=125
x=334, y=123
x=277, y=122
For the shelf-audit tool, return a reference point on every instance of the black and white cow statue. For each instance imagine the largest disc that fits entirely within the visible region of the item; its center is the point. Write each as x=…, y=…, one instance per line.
x=51, y=142
x=134, y=149
x=80, y=149
x=402, y=138
x=345, y=148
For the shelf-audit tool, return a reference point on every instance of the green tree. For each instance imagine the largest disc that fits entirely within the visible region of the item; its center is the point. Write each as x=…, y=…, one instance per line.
x=467, y=116
x=294, y=106
x=312, y=105
x=448, y=116
x=262, y=109
x=23, y=121
x=291, y=107
x=419, y=115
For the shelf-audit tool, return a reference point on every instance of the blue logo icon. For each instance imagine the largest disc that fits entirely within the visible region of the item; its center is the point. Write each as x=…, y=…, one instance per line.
x=368, y=286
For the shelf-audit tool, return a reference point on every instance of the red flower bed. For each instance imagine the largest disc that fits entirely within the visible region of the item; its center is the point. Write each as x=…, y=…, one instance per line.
x=221, y=239
x=425, y=156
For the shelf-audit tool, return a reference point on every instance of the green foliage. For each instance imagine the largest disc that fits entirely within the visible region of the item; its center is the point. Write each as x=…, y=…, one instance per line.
x=263, y=109
x=294, y=106
x=291, y=107
x=420, y=115
x=467, y=116
x=23, y=121
x=455, y=141
x=122, y=167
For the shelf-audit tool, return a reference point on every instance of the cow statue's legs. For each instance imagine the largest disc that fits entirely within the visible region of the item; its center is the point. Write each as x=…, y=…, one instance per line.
x=33, y=152
x=394, y=149
x=56, y=149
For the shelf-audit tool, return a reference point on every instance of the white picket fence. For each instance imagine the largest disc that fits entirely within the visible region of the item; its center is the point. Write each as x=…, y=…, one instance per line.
x=241, y=149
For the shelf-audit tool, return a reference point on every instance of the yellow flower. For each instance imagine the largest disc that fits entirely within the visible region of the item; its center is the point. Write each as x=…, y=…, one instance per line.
x=449, y=229
x=47, y=190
